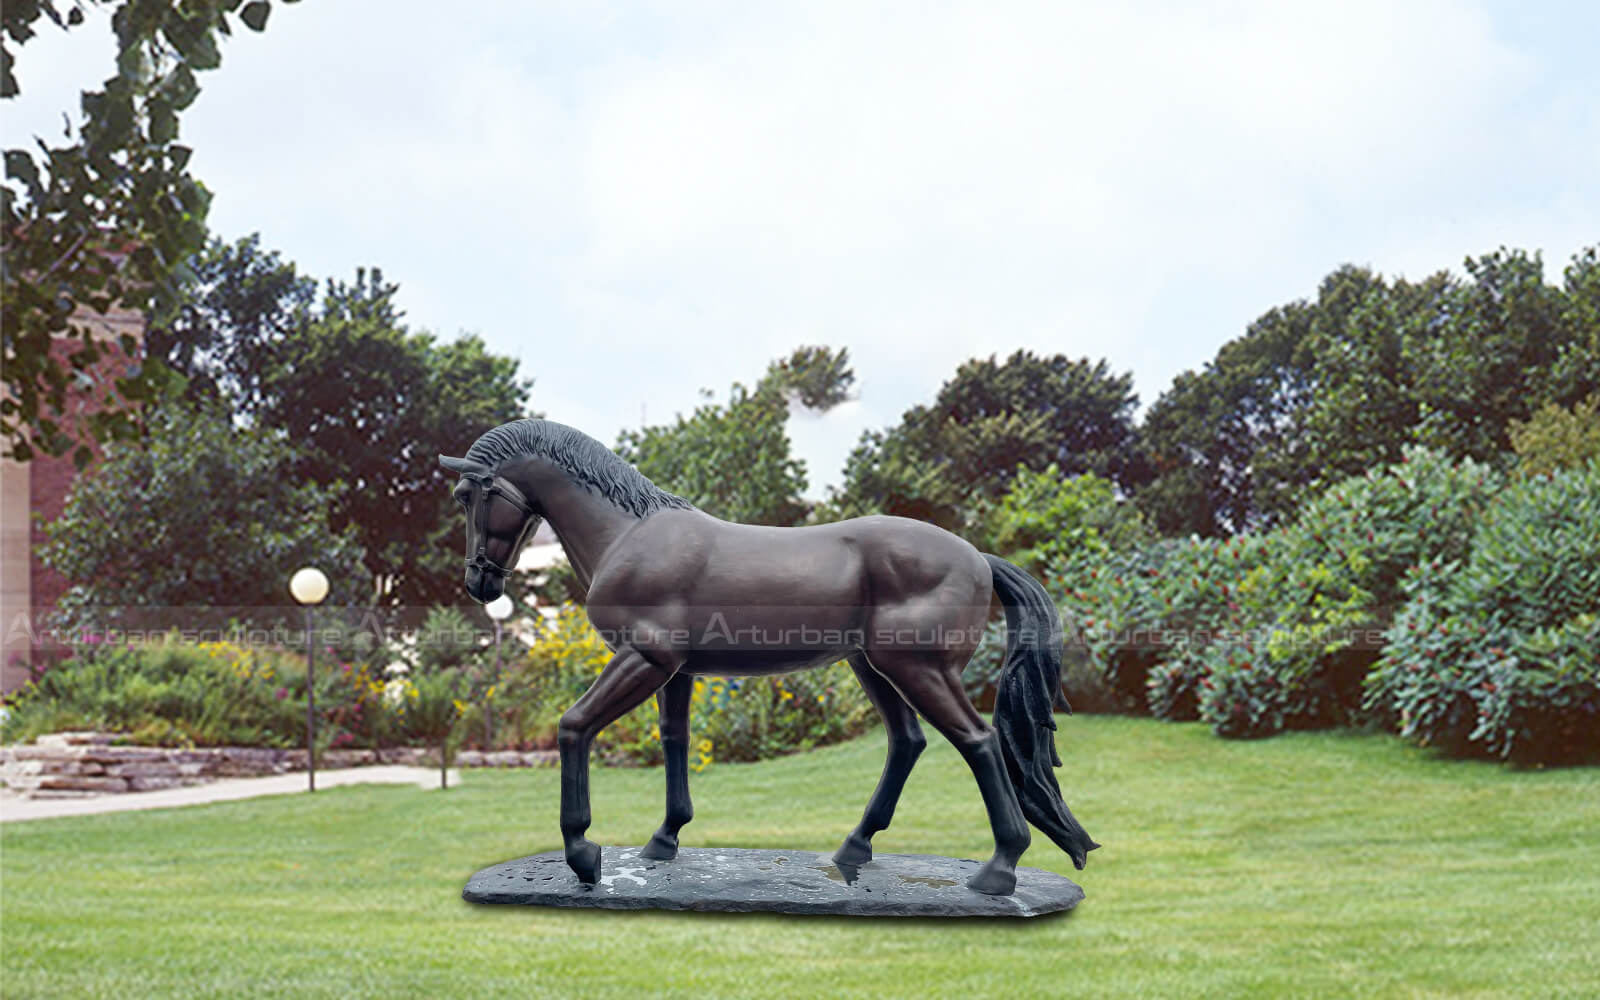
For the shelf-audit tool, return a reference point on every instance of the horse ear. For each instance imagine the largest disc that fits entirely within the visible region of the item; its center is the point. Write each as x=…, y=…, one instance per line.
x=461, y=466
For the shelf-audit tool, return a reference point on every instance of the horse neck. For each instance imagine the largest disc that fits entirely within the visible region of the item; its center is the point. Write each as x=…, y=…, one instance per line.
x=585, y=522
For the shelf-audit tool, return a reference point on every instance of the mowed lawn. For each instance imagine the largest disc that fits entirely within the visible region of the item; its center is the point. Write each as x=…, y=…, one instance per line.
x=1308, y=865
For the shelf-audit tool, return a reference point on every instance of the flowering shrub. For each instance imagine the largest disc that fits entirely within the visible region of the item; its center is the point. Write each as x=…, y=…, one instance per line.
x=1496, y=653
x=208, y=694
x=1262, y=632
x=204, y=694
x=1144, y=619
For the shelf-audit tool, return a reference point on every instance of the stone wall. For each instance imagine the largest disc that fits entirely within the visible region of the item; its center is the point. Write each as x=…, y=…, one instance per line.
x=73, y=765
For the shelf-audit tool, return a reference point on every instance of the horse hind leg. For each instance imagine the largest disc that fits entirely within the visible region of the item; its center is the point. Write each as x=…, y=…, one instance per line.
x=931, y=683
x=673, y=702
x=906, y=743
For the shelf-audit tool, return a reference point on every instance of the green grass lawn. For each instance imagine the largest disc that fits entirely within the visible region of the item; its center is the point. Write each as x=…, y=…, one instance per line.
x=1308, y=865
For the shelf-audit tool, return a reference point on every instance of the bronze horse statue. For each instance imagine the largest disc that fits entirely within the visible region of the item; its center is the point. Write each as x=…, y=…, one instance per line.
x=677, y=593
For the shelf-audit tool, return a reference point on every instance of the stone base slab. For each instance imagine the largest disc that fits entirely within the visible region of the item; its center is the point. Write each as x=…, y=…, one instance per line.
x=745, y=880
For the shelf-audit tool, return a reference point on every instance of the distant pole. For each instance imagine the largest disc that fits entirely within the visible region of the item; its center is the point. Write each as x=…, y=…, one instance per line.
x=311, y=701
x=309, y=586
x=499, y=610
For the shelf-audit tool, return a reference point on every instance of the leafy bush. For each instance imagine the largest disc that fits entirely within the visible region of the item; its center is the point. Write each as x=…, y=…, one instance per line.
x=1262, y=632
x=1496, y=653
x=1555, y=438
x=434, y=710
x=207, y=694
x=1143, y=618
x=1045, y=518
x=1317, y=609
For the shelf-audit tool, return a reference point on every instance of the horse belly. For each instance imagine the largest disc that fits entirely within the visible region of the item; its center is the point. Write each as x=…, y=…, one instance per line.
x=759, y=663
x=753, y=640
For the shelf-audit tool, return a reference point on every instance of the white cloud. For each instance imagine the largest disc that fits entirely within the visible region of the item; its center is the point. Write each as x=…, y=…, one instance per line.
x=641, y=201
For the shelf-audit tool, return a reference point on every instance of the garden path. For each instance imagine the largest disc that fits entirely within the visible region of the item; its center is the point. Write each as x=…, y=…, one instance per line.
x=14, y=808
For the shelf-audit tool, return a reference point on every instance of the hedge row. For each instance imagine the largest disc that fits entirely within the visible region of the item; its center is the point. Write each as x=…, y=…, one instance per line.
x=1439, y=597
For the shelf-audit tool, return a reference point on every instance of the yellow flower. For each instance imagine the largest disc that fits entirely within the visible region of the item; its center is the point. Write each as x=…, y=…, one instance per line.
x=705, y=746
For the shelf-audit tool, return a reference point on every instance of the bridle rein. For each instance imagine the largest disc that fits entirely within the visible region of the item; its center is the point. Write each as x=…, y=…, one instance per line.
x=491, y=486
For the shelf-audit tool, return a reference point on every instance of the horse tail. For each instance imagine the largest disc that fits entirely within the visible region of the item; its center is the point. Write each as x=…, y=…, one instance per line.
x=1029, y=686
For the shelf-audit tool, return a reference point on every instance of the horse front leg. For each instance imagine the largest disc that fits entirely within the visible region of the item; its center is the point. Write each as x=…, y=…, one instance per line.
x=625, y=682
x=673, y=701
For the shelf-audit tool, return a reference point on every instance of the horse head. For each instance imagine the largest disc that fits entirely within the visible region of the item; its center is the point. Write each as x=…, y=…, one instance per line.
x=500, y=520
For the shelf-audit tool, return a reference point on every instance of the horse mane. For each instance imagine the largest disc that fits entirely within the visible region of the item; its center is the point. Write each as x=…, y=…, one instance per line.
x=587, y=461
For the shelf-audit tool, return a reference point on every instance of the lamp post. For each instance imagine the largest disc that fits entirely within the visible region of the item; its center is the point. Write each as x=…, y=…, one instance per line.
x=499, y=610
x=309, y=587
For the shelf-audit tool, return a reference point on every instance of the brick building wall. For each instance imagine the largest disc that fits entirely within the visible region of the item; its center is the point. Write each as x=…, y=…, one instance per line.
x=31, y=495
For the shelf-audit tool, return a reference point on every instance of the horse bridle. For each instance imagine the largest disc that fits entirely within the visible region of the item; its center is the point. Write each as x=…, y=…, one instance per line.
x=489, y=487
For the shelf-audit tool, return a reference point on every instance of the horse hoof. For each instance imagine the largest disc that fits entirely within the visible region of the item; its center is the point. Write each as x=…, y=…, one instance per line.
x=584, y=860
x=856, y=850
x=660, y=848
x=993, y=881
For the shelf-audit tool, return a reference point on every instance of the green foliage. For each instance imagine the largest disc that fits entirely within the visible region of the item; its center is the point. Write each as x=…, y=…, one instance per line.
x=1316, y=391
x=1490, y=359
x=1433, y=595
x=1360, y=409
x=1328, y=589
x=1576, y=372
x=1045, y=519
x=945, y=463
x=1209, y=436
x=1495, y=653
x=199, y=513
x=1556, y=438
x=1144, y=617
x=733, y=460
x=105, y=221
x=369, y=404
x=1277, y=629
x=434, y=709
x=818, y=378
x=448, y=641
x=207, y=694
x=237, y=306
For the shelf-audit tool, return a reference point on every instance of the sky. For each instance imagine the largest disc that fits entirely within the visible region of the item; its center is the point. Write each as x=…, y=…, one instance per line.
x=642, y=200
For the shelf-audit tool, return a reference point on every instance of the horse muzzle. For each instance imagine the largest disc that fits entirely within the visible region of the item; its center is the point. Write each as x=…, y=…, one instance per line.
x=485, y=580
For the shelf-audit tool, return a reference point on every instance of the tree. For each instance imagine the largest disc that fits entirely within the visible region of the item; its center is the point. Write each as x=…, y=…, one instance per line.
x=1576, y=373
x=1316, y=391
x=197, y=514
x=370, y=404
x=948, y=462
x=1490, y=358
x=733, y=460
x=1209, y=434
x=109, y=219
x=1361, y=407
x=238, y=305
